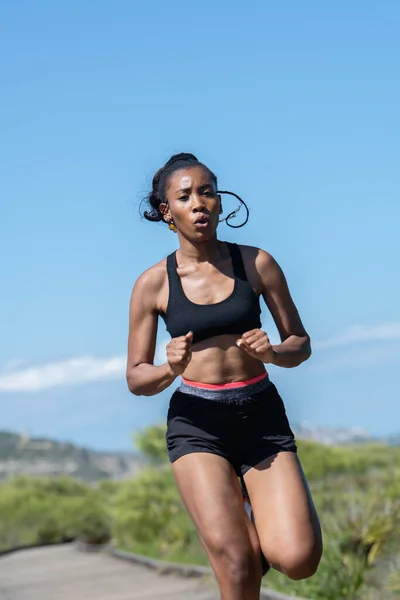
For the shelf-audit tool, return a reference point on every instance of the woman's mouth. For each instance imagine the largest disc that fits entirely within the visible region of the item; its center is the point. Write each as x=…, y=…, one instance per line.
x=202, y=222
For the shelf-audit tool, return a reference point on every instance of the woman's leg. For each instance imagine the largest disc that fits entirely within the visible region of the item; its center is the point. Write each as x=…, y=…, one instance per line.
x=285, y=517
x=211, y=493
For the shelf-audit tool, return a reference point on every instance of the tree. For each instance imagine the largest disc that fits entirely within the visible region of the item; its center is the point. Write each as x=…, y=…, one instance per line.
x=151, y=442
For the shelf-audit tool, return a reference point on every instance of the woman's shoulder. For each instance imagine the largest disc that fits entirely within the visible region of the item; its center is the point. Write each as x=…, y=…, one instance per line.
x=261, y=265
x=259, y=258
x=152, y=279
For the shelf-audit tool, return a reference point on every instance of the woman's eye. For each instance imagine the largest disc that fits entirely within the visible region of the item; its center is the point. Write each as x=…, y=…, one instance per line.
x=183, y=197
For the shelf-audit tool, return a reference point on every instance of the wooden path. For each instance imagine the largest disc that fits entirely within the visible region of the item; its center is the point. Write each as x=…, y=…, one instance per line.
x=65, y=572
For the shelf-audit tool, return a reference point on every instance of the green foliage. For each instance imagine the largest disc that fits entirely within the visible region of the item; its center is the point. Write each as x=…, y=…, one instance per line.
x=356, y=491
x=92, y=522
x=44, y=510
x=151, y=442
x=148, y=513
x=42, y=487
x=361, y=541
x=320, y=462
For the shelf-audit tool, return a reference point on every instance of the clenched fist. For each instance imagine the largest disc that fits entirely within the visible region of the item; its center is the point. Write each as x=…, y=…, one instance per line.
x=179, y=352
x=257, y=344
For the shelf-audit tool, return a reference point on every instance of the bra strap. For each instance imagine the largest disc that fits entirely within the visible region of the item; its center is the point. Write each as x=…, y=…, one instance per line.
x=237, y=261
x=171, y=263
x=175, y=286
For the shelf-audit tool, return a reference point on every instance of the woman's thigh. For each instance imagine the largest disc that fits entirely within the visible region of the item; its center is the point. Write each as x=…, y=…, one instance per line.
x=284, y=513
x=211, y=492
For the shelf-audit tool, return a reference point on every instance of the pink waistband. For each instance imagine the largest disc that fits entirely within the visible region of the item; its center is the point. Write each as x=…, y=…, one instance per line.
x=225, y=386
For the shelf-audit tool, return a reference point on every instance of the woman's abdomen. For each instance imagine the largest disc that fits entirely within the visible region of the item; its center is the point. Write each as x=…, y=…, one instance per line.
x=219, y=360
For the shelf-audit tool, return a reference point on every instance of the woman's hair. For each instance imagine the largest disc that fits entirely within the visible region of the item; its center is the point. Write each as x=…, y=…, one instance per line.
x=157, y=195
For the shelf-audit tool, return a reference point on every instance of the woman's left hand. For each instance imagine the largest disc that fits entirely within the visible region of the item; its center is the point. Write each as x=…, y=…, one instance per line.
x=256, y=343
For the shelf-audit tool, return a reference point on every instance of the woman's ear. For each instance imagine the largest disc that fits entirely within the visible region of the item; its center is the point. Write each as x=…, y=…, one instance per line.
x=164, y=210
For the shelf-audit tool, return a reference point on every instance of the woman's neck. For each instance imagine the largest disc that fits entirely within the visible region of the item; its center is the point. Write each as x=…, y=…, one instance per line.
x=193, y=252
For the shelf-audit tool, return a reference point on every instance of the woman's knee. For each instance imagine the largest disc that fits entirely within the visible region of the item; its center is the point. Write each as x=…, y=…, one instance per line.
x=233, y=561
x=300, y=561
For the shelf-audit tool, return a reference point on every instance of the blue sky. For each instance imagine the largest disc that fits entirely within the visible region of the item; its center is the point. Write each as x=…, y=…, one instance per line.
x=293, y=105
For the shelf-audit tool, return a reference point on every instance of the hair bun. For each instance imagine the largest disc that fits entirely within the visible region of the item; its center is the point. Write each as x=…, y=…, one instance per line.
x=181, y=157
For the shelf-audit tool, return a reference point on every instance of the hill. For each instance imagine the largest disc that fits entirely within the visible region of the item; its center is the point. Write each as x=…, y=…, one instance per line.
x=22, y=455
x=341, y=436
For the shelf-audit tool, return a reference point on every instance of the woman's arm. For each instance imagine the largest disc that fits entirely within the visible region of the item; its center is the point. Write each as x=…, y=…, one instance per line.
x=143, y=378
x=295, y=346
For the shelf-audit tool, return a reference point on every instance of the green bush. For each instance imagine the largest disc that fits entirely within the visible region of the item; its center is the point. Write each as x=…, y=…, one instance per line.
x=321, y=462
x=356, y=491
x=148, y=516
x=92, y=522
x=151, y=443
x=53, y=510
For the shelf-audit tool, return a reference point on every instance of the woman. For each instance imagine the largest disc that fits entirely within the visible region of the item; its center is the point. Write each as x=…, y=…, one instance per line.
x=226, y=419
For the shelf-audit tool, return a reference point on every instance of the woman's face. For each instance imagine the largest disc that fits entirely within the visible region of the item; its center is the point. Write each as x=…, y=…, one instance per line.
x=193, y=203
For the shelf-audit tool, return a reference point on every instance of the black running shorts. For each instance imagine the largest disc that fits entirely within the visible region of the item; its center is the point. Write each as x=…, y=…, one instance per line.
x=243, y=425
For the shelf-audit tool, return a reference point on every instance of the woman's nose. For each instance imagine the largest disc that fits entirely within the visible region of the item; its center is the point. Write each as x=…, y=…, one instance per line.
x=198, y=203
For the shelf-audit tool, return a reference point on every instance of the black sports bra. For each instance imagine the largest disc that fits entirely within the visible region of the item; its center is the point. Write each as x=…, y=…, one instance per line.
x=236, y=314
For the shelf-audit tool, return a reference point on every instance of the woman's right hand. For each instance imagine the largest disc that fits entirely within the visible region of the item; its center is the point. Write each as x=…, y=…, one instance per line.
x=179, y=353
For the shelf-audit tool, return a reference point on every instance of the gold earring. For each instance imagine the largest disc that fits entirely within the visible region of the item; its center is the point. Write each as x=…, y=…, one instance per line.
x=172, y=226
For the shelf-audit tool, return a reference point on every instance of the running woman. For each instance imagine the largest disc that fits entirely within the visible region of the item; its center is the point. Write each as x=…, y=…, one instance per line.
x=227, y=429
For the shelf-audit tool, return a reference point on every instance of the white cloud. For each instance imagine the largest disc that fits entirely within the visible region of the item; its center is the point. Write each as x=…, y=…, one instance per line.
x=361, y=347
x=361, y=333
x=72, y=371
x=82, y=369
x=62, y=373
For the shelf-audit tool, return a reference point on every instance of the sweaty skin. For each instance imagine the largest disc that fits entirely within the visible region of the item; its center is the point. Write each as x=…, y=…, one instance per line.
x=206, y=272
